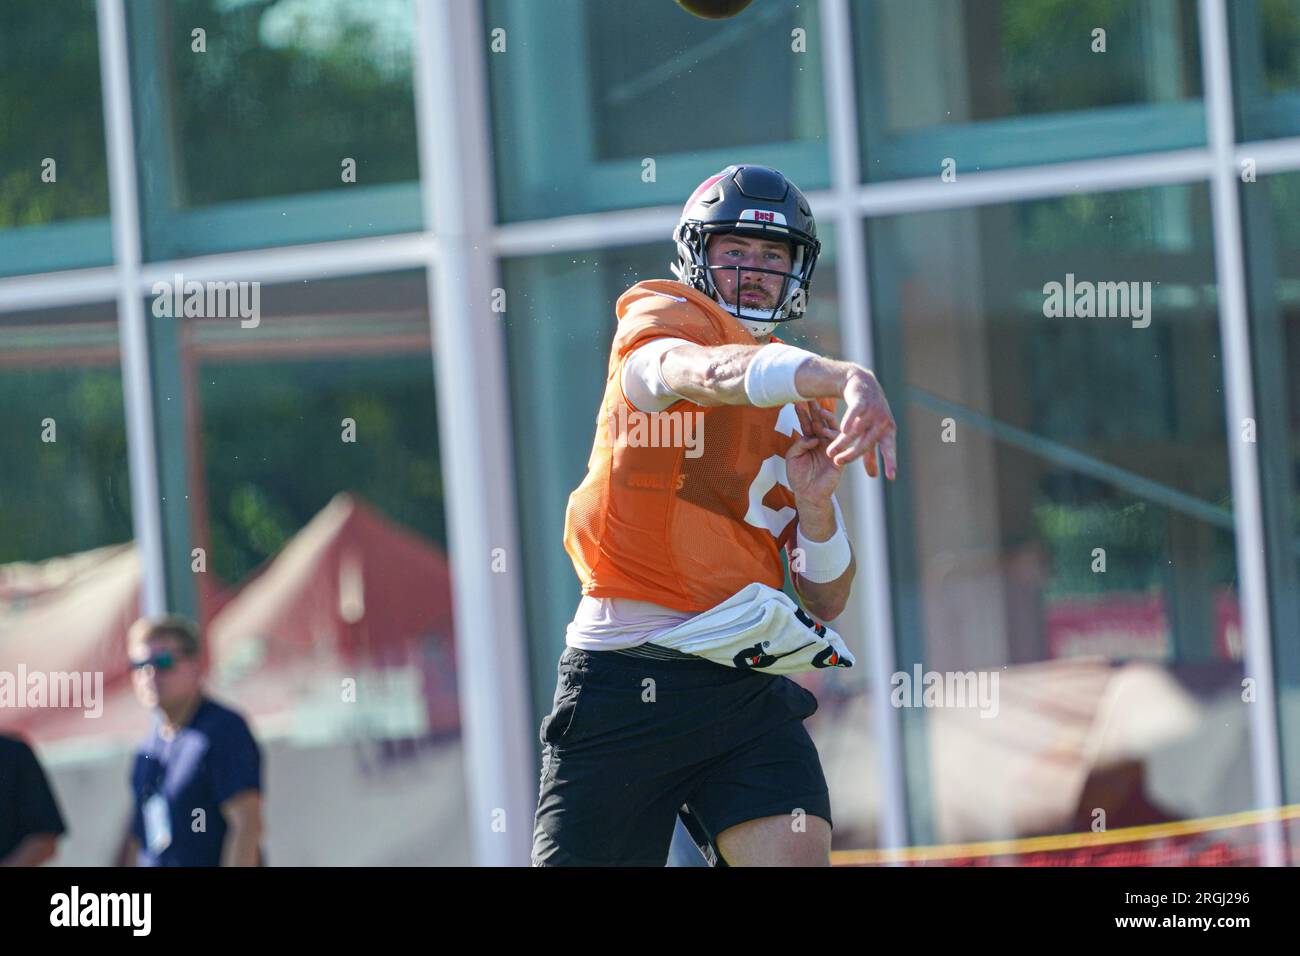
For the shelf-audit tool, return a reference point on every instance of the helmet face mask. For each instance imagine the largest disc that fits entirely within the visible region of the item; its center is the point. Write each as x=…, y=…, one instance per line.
x=755, y=202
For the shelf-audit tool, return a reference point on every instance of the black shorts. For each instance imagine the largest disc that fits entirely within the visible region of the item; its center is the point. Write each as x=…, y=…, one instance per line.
x=631, y=741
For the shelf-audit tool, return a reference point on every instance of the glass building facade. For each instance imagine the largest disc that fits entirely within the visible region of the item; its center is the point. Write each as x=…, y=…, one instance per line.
x=440, y=203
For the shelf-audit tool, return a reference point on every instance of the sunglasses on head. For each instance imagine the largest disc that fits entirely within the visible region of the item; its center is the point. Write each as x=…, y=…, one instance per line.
x=159, y=662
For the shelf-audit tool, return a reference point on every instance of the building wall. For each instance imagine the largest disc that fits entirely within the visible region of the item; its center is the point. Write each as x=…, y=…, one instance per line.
x=960, y=157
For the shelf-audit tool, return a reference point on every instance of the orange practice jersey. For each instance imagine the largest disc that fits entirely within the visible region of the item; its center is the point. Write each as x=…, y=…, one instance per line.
x=660, y=518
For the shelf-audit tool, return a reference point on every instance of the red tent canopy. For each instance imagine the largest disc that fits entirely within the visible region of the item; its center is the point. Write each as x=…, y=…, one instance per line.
x=350, y=584
x=65, y=615
x=350, y=592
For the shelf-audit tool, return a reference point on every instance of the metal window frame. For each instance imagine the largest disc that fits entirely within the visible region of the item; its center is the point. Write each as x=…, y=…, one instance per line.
x=456, y=176
x=873, y=601
x=453, y=32
x=648, y=224
x=137, y=384
x=1239, y=396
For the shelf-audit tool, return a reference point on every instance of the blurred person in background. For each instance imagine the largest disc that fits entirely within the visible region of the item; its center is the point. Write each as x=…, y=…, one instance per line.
x=30, y=822
x=197, y=778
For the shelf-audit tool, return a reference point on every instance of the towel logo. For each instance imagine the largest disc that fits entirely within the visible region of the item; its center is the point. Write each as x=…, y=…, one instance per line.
x=806, y=621
x=757, y=656
x=829, y=657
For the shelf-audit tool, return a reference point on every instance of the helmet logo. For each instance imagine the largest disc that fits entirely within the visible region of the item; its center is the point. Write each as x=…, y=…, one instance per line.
x=763, y=215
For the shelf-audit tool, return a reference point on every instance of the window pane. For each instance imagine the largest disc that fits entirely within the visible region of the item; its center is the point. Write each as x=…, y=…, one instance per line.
x=1266, y=67
x=1272, y=220
x=994, y=83
x=1064, y=520
x=318, y=489
x=64, y=487
x=69, y=571
x=245, y=130
x=601, y=105
x=53, y=172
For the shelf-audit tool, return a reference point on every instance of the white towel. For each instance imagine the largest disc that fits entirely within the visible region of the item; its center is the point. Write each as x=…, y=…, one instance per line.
x=759, y=628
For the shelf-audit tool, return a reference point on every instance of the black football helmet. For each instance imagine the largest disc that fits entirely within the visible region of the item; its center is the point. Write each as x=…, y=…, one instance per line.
x=752, y=201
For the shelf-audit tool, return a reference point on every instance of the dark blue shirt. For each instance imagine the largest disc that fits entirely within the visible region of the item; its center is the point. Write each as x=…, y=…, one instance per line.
x=27, y=804
x=213, y=758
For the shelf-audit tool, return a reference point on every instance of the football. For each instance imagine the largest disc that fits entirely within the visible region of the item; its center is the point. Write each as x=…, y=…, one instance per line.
x=714, y=9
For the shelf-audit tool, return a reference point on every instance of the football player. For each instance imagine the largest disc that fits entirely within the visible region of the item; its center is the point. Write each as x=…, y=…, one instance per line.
x=665, y=528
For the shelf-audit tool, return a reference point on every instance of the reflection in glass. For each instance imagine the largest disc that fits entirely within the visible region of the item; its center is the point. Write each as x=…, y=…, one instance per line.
x=53, y=174
x=1271, y=218
x=1266, y=67
x=310, y=510
x=315, y=474
x=281, y=123
x=1066, y=524
x=602, y=106
x=64, y=487
x=991, y=83
x=70, y=575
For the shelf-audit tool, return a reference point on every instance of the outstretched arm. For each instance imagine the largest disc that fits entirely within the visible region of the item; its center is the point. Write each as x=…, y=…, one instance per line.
x=722, y=375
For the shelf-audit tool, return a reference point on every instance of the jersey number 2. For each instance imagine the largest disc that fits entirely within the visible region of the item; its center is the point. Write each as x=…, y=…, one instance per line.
x=770, y=474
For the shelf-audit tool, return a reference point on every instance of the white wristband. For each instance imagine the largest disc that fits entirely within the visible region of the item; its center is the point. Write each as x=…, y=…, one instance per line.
x=825, y=560
x=769, y=380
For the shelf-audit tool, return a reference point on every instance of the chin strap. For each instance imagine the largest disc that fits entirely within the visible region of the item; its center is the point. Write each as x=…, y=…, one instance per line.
x=756, y=327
